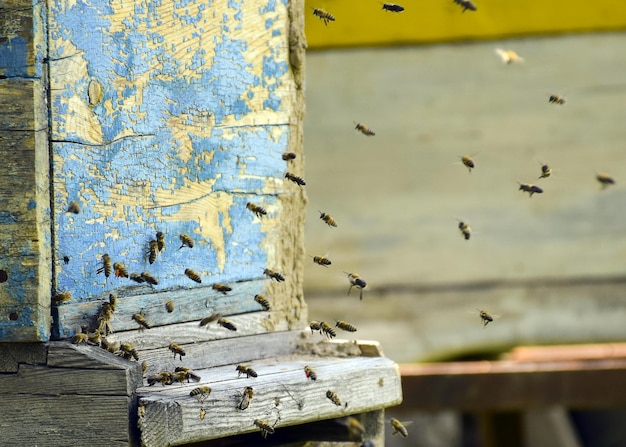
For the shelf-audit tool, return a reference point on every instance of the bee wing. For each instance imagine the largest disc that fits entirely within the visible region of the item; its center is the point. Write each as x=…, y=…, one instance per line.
x=502, y=54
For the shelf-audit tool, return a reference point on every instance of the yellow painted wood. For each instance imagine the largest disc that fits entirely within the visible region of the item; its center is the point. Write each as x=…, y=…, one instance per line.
x=366, y=24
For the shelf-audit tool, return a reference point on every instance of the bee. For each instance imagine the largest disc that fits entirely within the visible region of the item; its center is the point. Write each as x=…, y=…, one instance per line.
x=202, y=392
x=530, y=189
x=465, y=230
x=364, y=129
x=398, y=427
x=392, y=7
x=80, y=338
x=266, y=429
x=193, y=276
x=294, y=178
x=113, y=348
x=468, y=162
x=141, y=321
x=605, y=180
x=95, y=338
x=66, y=259
x=323, y=15
x=180, y=376
x=315, y=326
x=328, y=219
x=177, y=350
x=169, y=306
x=245, y=369
x=327, y=330
x=320, y=260
x=113, y=301
x=246, y=398
x=226, y=324
x=106, y=266
x=273, y=275
x=508, y=56
x=163, y=377
x=202, y=413
x=345, y=326
x=259, y=211
x=485, y=317
x=147, y=277
x=310, y=373
x=103, y=319
x=333, y=397
x=144, y=367
x=556, y=99
x=136, y=277
x=213, y=317
x=160, y=238
x=288, y=156
x=185, y=241
x=546, y=171
x=356, y=281
x=354, y=426
x=466, y=4
x=119, y=270
x=190, y=374
x=127, y=351
x=262, y=301
x=153, y=248
x=73, y=207
x=219, y=287
x=62, y=297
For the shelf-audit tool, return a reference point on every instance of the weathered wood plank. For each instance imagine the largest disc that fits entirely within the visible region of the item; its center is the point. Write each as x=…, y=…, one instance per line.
x=21, y=38
x=67, y=355
x=12, y=354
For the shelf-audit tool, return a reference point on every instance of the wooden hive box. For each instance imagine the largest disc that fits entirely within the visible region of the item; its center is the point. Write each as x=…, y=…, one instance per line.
x=120, y=120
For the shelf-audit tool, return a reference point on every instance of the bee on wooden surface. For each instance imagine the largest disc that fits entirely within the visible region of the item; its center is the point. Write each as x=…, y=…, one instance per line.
x=141, y=321
x=95, y=338
x=127, y=351
x=605, y=180
x=226, y=324
x=185, y=241
x=398, y=427
x=202, y=413
x=508, y=56
x=345, y=326
x=180, y=376
x=73, y=207
x=321, y=260
x=112, y=347
x=356, y=281
x=245, y=369
x=294, y=178
x=160, y=238
x=136, y=277
x=327, y=330
x=530, y=189
x=392, y=7
x=468, y=162
x=485, y=317
x=315, y=326
x=190, y=373
x=193, y=276
x=265, y=304
x=177, y=350
x=163, y=377
x=466, y=4
x=288, y=156
x=246, y=398
x=119, y=270
x=106, y=266
x=258, y=211
x=266, y=429
x=465, y=230
x=310, y=373
x=80, y=338
x=219, y=287
x=328, y=219
x=546, y=171
x=364, y=129
x=332, y=396
x=147, y=277
x=169, y=306
x=273, y=275
x=153, y=249
x=556, y=99
x=211, y=318
x=144, y=367
x=62, y=297
x=323, y=15
x=201, y=393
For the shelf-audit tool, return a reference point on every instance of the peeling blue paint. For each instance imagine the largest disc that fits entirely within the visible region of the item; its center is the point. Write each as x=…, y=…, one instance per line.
x=272, y=103
x=13, y=56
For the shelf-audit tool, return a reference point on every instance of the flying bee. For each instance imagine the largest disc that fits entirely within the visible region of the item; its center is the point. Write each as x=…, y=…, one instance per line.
x=364, y=129
x=265, y=304
x=211, y=318
x=169, y=306
x=273, y=275
x=356, y=281
x=119, y=270
x=80, y=338
x=141, y=321
x=556, y=99
x=323, y=15
x=485, y=317
x=345, y=326
x=466, y=4
x=310, y=373
x=288, y=156
x=153, y=249
x=328, y=219
x=266, y=429
x=226, y=324
x=546, y=171
x=202, y=392
x=354, y=426
x=315, y=326
x=185, y=241
x=245, y=369
x=327, y=330
x=530, y=189
x=605, y=180
x=163, y=377
x=127, y=351
x=106, y=266
x=465, y=230
x=193, y=276
x=259, y=211
x=508, y=56
x=392, y=7
x=468, y=162
x=333, y=397
x=177, y=350
x=136, y=277
x=398, y=427
x=246, y=398
x=62, y=297
x=320, y=260
x=219, y=287
x=294, y=178
x=73, y=207
x=147, y=277
x=160, y=238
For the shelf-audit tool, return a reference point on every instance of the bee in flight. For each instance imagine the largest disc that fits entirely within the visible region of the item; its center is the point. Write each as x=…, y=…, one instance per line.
x=327, y=330
x=141, y=321
x=226, y=324
x=246, y=398
x=193, y=276
x=185, y=241
x=147, y=277
x=62, y=297
x=605, y=180
x=265, y=304
x=328, y=219
x=219, y=287
x=356, y=281
x=345, y=326
x=466, y=4
x=465, y=229
x=323, y=15
x=106, y=266
x=211, y=318
x=310, y=373
x=245, y=369
x=320, y=260
x=546, y=171
x=468, y=162
x=160, y=238
x=136, y=277
x=288, y=156
x=294, y=178
x=315, y=326
x=177, y=350
x=508, y=56
x=556, y=99
x=530, y=189
x=119, y=270
x=332, y=396
x=485, y=317
x=273, y=275
x=266, y=429
x=258, y=211
x=364, y=129
x=392, y=7
x=398, y=427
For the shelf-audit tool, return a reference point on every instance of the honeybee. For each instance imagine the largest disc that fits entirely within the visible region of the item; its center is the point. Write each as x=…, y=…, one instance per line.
x=508, y=56
x=202, y=392
x=185, y=241
x=62, y=297
x=147, y=277
x=80, y=338
x=153, y=248
x=288, y=156
x=160, y=238
x=398, y=427
x=202, y=413
x=468, y=162
x=333, y=397
x=354, y=426
x=294, y=178
x=259, y=211
x=136, y=277
x=266, y=429
x=262, y=301
x=364, y=129
x=226, y=324
x=273, y=275
x=320, y=260
x=315, y=326
x=177, y=350
x=245, y=369
x=356, y=281
x=246, y=398
x=163, y=377
x=169, y=306
x=112, y=347
x=466, y=4
x=556, y=99
x=327, y=330
x=546, y=171
x=323, y=15
x=193, y=276
x=106, y=266
x=328, y=219
x=219, y=287
x=392, y=7
x=181, y=376
x=465, y=230
x=104, y=317
x=112, y=302
x=141, y=321
x=485, y=317
x=213, y=317
x=190, y=374
x=119, y=270
x=310, y=373
x=144, y=367
x=127, y=351
x=605, y=180
x=345, y=326
x=530, y=189
x=73, y=207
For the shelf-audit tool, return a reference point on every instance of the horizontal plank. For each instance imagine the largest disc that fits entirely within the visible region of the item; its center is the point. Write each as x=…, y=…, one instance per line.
x=13, y=354
x=567, y=352
x=282, y=396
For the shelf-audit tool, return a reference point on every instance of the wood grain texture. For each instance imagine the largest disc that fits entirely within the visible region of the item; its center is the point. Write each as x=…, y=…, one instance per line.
x=12, y=354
